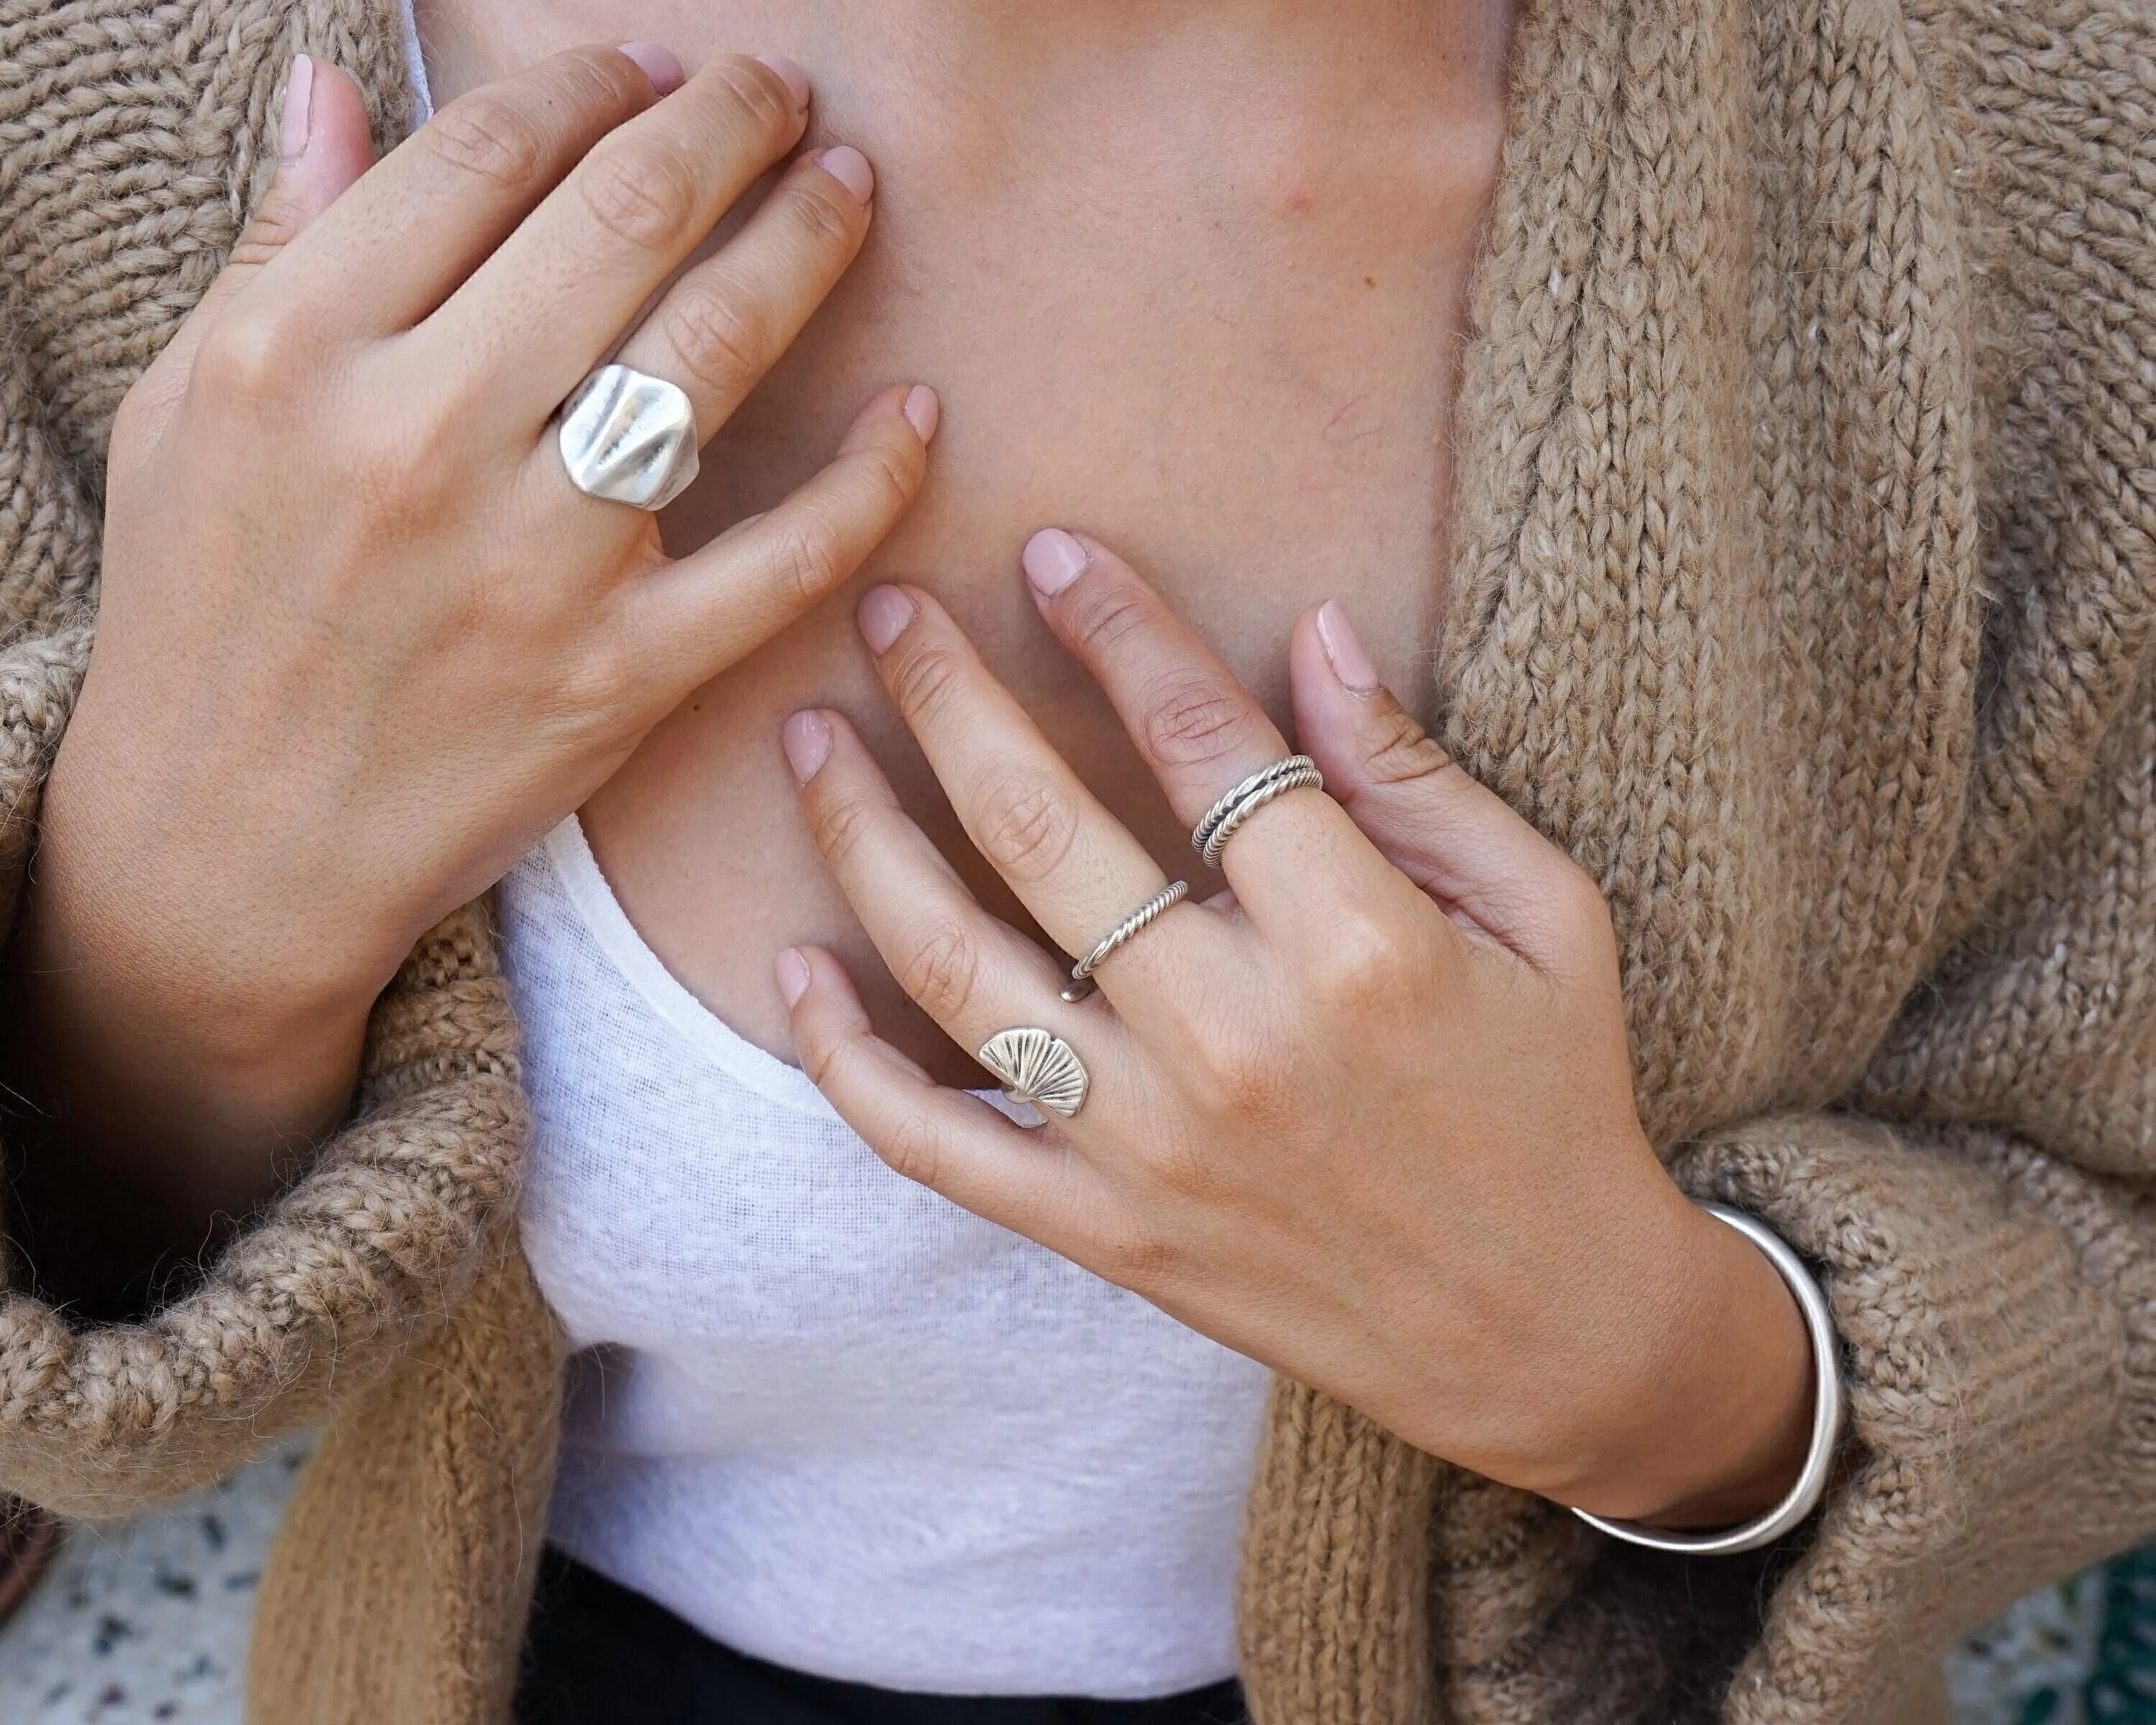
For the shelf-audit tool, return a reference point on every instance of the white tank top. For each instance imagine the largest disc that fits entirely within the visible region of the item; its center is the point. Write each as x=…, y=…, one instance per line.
x=827, y=1417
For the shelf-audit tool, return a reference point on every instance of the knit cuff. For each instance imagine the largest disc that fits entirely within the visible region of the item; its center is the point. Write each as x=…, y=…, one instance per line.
x=307, y=1310
x=1998, y=1312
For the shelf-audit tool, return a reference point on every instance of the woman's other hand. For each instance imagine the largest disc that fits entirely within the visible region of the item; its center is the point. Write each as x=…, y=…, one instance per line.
x=1368, y=1116
x=361, y=640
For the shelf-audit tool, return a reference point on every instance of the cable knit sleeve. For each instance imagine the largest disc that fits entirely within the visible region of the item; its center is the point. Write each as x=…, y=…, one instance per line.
x=126, y=156
x=1988, y=1241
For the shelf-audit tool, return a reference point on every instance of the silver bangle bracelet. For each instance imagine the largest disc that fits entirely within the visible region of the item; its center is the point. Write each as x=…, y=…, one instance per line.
x=1827, y=1411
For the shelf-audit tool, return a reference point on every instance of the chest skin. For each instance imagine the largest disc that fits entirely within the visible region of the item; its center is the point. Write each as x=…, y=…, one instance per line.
x=1201, y=298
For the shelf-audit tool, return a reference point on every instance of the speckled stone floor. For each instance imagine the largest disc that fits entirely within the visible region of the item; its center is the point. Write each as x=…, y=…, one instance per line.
x=148, y=1622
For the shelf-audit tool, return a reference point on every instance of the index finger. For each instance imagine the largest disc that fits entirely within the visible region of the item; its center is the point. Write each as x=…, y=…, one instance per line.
x=399, y=243
x=1197, y=727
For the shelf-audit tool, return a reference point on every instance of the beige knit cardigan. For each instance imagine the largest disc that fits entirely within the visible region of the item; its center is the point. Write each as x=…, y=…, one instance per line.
x=1804, y=592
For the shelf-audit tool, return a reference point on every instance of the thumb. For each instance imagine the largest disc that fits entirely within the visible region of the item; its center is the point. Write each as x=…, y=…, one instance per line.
x=1491, y=871
x=324, y=145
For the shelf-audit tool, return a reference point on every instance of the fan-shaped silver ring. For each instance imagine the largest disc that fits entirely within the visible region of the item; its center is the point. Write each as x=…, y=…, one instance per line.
x=1037, y=1066
x=629, y=437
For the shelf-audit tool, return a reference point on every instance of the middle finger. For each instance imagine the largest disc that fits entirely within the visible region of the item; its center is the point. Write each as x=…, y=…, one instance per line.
x=539, y=314
x=1072, y=864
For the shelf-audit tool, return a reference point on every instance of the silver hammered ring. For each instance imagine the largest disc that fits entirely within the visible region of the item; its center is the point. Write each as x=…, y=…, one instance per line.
x=1225, y=818
x=1082, y=985
x=629, y=437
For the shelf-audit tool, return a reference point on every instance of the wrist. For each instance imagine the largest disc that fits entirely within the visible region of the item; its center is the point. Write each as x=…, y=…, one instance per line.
x=1714, y=1430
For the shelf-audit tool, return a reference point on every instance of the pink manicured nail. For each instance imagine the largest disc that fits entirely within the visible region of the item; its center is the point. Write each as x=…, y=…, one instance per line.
x=806, y=737
x=1344, y=650
x=1053, y=560
x=661, y=65
x=923, y=411
x=298, y=125
x=883, y=615
x=850, y=169
x=792, y=970
x=796, y=80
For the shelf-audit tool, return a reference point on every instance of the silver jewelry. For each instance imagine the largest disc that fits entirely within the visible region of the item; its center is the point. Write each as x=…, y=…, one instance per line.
x=1211, y=837
x=1827, y=1412
x=1082, y=985
x=1038, y=1067
x=629, y=437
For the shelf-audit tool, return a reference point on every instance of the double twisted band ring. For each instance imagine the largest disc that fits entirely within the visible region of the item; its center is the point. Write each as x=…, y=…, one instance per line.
x=629, y=437
x=1035, y=1066
x=1211, y=837
x=1082, y=985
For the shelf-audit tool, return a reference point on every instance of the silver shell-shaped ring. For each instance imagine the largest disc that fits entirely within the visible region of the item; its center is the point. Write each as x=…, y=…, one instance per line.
x=1082, y=985
x=629, y=437
x=1211, y=837
x=1034, y=1066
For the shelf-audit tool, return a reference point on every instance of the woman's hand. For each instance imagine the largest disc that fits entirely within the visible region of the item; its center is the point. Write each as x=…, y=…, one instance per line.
x=1369, y=1118
x=361, y=640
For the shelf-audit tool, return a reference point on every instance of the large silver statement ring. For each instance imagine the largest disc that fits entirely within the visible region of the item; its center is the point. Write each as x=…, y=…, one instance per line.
x=1034, y=1066
x=1082, y=985
x=629, y=437
x=1211, y=837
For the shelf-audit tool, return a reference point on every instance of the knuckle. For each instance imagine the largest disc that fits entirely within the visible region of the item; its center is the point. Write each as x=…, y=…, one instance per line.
x=1241, y=1077
x=252, y=355
x=939, y=970
x=806, y=562
x=759, y=95
x=892, y=475
x=913, y=1148
x=1027, y=828
x=1401, y=750
x=924, y=676
x=1101, y=618
x=840, y=825
x=607, y=677
x=1137, y=1257
x=275, y=223
x=489, y=137
x=639, y=191
x=1193, y=720
x=1364, y=963
x=826, y=221
x=719, y=333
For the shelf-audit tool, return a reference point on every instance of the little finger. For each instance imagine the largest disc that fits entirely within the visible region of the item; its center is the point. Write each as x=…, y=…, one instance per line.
x=694, y=618
x=955, y=1144
x=972, y=973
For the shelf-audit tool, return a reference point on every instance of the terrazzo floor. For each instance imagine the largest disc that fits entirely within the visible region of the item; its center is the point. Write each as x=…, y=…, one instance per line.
x=148, y=1622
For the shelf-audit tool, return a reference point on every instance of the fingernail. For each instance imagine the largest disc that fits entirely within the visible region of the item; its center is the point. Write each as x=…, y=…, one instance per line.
x=850, y=169
x=923, y=411
x=298, y=125
x=1053, y=560
x=793, y=970
x=661, y=65
x=885, y=612
x=806, y=738
x=796, y=80
x=1344, y=650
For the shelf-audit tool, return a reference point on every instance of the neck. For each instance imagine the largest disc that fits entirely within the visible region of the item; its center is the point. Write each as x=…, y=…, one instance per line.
x=1016, y=55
